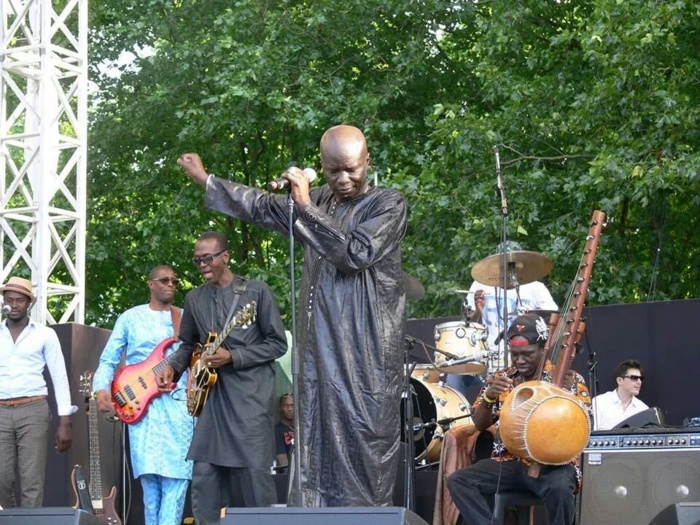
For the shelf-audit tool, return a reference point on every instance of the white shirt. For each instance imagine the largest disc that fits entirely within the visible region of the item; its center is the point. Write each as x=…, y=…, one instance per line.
x=22, y=364
x=608, y=411
x=533, y=296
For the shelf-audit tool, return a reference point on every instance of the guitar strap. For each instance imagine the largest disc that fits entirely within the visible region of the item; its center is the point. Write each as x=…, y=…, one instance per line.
x=239, y=285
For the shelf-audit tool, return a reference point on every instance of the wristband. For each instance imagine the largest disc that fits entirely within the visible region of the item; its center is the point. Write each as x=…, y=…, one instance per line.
x=487, y=399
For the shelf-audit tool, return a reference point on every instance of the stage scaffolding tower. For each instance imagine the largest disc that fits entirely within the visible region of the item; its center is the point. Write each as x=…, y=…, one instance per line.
x=43, y=152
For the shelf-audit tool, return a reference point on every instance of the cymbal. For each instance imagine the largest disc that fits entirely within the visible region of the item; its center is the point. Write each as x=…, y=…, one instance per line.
x=523, y=267
x=414, y=289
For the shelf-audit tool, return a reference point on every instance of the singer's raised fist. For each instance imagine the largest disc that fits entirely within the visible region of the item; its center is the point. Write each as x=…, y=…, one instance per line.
x=193, y=166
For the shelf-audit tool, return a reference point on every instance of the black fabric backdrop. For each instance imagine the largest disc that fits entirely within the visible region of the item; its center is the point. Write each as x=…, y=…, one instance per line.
x=661, y=335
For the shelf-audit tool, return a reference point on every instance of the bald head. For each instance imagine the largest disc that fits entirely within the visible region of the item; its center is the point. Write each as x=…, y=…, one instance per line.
x=345, y=161
x=343, y=137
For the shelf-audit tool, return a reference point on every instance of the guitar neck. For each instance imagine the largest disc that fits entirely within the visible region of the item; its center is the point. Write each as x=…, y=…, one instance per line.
x=95, y=484
x=221, y=337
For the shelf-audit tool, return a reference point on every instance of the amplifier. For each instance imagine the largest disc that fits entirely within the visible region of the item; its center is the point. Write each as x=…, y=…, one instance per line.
x=650, y=439
x=631, y=476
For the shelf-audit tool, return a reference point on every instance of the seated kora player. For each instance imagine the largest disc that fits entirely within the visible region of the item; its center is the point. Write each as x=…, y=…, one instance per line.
x=473, y=488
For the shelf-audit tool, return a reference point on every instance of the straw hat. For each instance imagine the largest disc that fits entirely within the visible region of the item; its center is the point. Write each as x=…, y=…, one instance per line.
x=18, y=284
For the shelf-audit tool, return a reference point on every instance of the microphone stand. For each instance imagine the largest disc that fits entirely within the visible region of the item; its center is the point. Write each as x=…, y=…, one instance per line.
x=295, y=479
x=409, y=459
x=592, y=369
x=504, y=252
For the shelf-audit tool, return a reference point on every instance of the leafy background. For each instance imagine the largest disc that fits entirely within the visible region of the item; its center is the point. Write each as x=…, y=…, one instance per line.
x=592, y=104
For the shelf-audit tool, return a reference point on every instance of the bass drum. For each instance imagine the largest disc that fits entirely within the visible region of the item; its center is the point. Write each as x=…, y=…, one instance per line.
x=433, y=402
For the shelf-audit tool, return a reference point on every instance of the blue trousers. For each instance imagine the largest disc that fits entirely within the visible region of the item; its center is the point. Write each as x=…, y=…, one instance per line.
x=163, y=499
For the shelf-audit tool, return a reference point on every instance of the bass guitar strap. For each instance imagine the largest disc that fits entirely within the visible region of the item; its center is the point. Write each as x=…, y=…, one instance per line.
x=176, y=315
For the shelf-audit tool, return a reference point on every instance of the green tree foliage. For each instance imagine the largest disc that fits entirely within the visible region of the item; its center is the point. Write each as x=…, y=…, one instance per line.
x=593, y=105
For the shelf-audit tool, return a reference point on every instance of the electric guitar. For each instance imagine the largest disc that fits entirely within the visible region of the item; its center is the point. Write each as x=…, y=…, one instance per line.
x=134, y=386
x=102, y=507
x=201, y=377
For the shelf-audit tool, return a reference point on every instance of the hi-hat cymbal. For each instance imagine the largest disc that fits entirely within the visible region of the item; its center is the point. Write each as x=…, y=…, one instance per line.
x=414, y=289
x=522, y=267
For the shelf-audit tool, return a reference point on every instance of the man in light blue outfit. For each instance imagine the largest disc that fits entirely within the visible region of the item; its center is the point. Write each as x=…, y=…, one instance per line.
x=161, y=438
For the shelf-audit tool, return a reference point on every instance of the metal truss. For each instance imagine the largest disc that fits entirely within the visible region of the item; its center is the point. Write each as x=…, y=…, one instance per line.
x=43, y=152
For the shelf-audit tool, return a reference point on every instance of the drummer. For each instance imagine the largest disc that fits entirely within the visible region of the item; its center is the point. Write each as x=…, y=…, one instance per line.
x=485, y=303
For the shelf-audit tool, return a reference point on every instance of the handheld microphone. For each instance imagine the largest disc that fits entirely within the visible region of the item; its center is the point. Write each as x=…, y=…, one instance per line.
x=6, y=309
x=283, y=184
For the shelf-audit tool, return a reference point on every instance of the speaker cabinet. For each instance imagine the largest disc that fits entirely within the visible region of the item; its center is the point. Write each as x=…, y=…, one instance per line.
x=630, y=487
x=322, y=516
x=678, y=514
x=47, y=516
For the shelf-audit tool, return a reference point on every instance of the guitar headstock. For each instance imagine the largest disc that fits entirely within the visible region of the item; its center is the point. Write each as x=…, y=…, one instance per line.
x=86, y=384
x=246, y=315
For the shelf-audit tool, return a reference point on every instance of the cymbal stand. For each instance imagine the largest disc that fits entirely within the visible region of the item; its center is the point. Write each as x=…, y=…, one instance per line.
x=504, y=251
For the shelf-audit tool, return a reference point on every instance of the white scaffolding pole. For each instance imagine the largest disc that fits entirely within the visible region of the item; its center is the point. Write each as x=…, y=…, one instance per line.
x=43, y=152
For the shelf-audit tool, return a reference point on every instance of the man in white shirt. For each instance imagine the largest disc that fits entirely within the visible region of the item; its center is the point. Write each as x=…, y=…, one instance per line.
x=615, y=406
x=26, y=348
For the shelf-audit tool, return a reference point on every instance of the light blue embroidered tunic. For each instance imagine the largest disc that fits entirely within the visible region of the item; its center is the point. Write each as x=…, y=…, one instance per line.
x=160, y=440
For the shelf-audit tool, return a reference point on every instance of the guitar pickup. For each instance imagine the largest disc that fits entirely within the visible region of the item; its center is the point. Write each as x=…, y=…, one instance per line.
x=119, y=398
x=143, y=383
x=129, y=392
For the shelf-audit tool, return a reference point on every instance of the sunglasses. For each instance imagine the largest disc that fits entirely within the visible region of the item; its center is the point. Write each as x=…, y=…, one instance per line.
x=167, y=280
x=635, y=377
x=207, y=259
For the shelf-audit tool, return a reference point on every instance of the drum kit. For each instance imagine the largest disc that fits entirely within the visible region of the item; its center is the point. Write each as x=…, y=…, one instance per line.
x=460, y=348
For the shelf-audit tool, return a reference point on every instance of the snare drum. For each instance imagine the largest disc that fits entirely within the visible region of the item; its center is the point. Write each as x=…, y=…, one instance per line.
x=427, y=373
x=467, y=343
x=433, y=402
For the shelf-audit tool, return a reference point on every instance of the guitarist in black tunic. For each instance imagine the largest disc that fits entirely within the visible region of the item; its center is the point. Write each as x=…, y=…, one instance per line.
x=233, y=444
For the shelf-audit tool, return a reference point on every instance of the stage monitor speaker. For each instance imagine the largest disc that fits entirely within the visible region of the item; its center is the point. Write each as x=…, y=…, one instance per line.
x=630, y=487
x=47, y=516
x=322, y=516
x=679, y=514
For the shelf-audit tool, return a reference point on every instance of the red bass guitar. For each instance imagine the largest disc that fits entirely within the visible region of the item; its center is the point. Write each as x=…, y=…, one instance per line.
x=134, y=386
